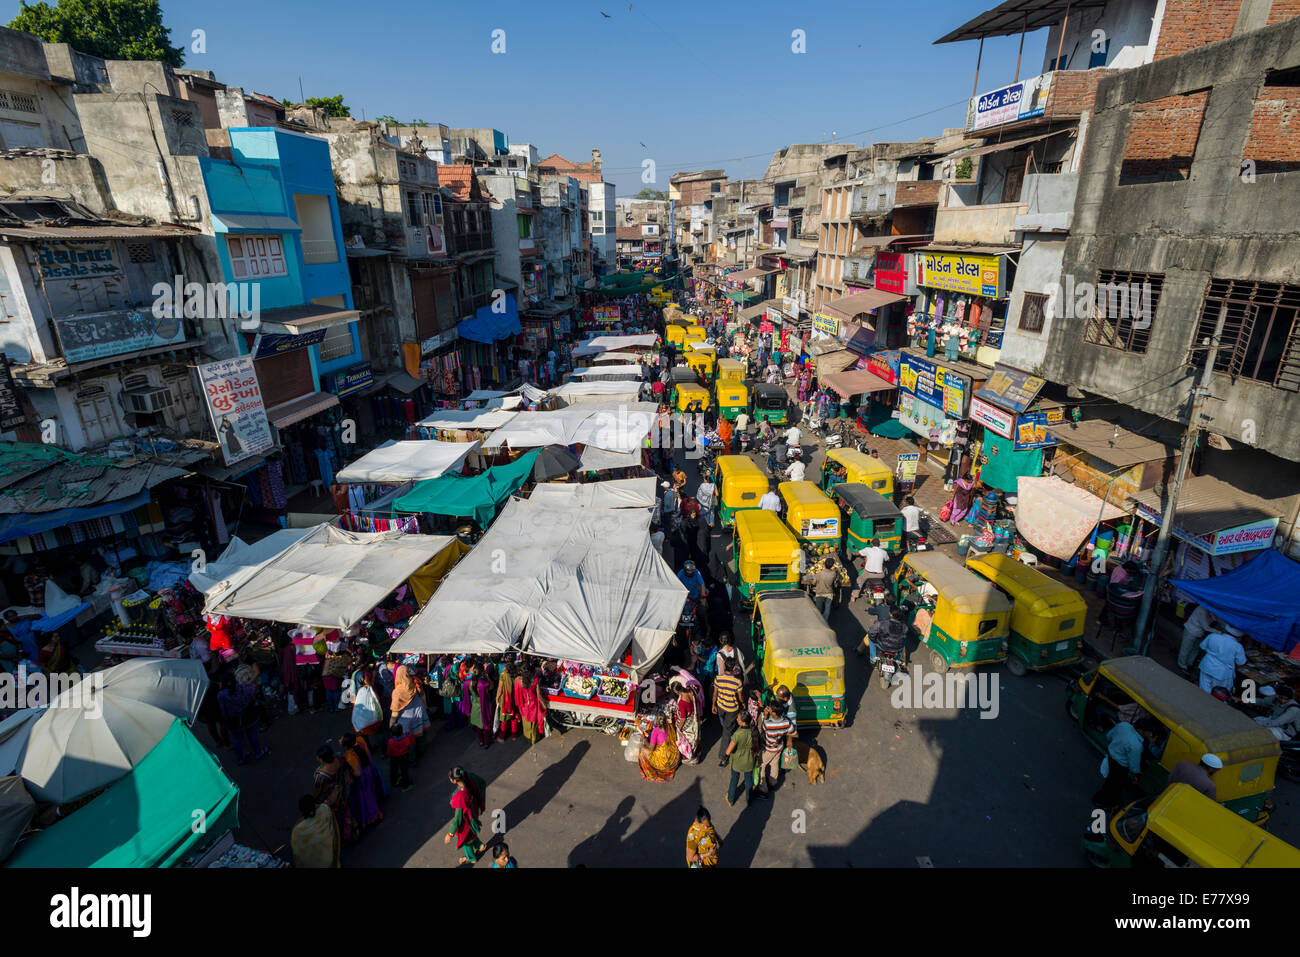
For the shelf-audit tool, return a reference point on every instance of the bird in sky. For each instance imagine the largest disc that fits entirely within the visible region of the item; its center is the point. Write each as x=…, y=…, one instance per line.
x=606, y=15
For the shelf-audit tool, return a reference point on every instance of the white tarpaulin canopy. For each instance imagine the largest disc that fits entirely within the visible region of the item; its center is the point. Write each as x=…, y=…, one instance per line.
x=240, y=558
x=614, y=343
x=330, y=578
x=598, y=460
x=1055, y=516
x=580, y=584
x=411, y=461
x=482, y=419
x=570, y=389
x=618, y=429
x=632, y=372
x=615, y=493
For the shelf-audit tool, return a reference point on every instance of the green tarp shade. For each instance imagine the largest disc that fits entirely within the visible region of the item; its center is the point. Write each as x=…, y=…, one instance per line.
x=742, y=297
x=147, y=818
x=1005, y=464
x=880, y=421
x=472, y=496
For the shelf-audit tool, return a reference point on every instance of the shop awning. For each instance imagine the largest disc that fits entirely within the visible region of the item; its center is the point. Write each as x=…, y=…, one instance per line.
x=603, y=344
x=469, y=496
x=856, y=382
x=159, y=231
x=403, y=382
x=487, y=326
x=598, y=460
x=1012, y=17
x=484, y=420
x=412, y=461
x=1207, y=505
x=847, y=307
x=240, y=559
x=614, y=493
x=304, y=407
x=1056, y=517
x=330, y=578
x=254, y=223
x=619, y=429
x=1003, y=146
x=608, y=373
x=1258, y=598
x=309, y=317
x=1112, y=444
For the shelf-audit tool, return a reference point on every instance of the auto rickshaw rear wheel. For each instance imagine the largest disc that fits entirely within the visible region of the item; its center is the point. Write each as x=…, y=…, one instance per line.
x=1016, y=666
x=938, y=662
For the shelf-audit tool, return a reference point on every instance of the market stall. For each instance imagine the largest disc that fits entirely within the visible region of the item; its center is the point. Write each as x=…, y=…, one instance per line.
x=615, y=493
x=240, y=559
x=396, y=462
x=599, y=344
x=1056, y=518
x=619, y=428
x=476, y=497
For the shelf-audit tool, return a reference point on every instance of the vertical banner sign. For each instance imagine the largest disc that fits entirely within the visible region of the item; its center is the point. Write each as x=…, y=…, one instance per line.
x=235, y=404
x=907, y=462
x=11, y=406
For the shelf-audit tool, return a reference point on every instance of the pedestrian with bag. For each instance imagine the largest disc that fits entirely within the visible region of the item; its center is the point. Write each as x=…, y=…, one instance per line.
x=740, y=755
x=778, y=737
x=728, y=701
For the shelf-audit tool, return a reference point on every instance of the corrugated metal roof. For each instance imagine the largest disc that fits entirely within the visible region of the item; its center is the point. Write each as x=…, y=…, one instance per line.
x=1014, y=16
x=96, y=232
x=858, y=303
x=1004, y=145
x=1207, y=504
x=81, y=481
x=1111, y=443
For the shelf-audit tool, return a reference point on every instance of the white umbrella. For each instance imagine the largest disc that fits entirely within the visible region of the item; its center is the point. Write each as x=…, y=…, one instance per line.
x=86, y=740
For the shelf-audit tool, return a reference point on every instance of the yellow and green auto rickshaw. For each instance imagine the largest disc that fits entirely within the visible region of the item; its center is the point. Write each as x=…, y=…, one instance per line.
x=1181, y=827
x=1047, y=617
x=868, y=515
x=850, y=465
x=679, y=376
x=733, y=398
x=741, y=485
x=675, y=333
x=961, y=618
x=702, y=361
x=688, y=393
x=1189, y=724
x=812, y=517
x=796, y=648
x=771, y=403
x=764, y=554
x=694, y=334
x=731, y=369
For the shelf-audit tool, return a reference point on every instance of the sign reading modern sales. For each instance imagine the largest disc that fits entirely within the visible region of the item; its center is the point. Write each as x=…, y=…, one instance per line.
x=954, y=272
x=235, y=403
x=1019, y=101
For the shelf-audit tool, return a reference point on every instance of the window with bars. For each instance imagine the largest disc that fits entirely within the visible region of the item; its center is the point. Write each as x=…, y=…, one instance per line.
x=141, y=252
x=182, y=117
x=1124, y=309
x=254, y=257
x=1261, y=331
x=1032, y=312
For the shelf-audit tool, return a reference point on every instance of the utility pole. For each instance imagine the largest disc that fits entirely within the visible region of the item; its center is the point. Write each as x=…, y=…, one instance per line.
x=1190, y=438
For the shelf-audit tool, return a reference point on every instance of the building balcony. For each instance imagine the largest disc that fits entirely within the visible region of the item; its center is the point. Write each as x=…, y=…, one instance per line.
x=917, y=193
x=1068, y=94
x=858, y=269
x=1048, y=201
x=992, y=224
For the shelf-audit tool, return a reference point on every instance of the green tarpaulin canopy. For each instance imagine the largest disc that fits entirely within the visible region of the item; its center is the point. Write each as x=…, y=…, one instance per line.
x=147, y=818
x=881, y=422
x=475, y=496
x=742, y=297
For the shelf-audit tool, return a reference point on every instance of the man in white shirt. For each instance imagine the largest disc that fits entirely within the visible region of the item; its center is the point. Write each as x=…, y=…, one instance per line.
x=911, y=519
x=706, y=495
x=1199, y=624
x=771, y=501
x=793, y=436
x=874, y=557
x=795, y=471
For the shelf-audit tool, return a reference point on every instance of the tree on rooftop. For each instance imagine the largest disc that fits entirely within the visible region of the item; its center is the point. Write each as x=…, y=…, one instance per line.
x=332, y=105
x=648, y=193
x=112, y=29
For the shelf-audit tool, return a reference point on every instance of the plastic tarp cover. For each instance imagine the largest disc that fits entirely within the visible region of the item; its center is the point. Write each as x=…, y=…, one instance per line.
x=482, y=419
x=487, y=325
x=474, y=496
x=20, y=526
x=581, y=584
x=145, y=819
x=1258, y=597
x=611, y=373
x=622, y=428
x=599, y=460
x=531, y=430
x=331, y=578
x=16, y=810
x=615, y=493
x=410, y=461
x=240, y=559
x=614, y=344
x=1055, y=516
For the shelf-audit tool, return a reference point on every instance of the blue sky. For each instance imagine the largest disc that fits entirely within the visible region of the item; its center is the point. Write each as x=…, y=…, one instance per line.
x=700, y=84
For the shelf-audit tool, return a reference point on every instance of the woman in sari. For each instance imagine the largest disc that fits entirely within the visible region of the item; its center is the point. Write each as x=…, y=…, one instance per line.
x=369, y=783
x=687, y=710
x=55, y=657
x=702, y=842
x=963, y=496
x=506, y=706
x=315, y=838
x=367, y=711
x=467, y=804
x=408, y=709
x=532, y=709
x=332, y=786
x=659, y=757
x=482, y=705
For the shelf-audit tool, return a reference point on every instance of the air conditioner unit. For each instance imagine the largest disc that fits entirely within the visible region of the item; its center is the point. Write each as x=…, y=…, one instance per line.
x=148, y=401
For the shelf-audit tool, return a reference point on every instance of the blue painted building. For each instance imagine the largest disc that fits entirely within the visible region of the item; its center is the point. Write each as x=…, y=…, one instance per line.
x=276, y=221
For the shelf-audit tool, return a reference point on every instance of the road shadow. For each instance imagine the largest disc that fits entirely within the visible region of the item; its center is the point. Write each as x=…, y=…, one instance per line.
x=547, y=787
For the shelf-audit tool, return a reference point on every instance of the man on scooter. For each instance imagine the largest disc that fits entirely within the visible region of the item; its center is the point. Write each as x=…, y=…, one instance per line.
x=874, y=558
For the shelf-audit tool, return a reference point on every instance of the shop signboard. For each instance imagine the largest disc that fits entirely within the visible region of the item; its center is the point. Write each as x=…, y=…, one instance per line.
x=353, y=379
x=891, y=273
x=1031, y=432
x=11, y=406
x=906, y=468
x=1019, y=101
x=991, y=417
x=100, y=334
x=234, y=401
x=1011, y=389
x=774, y=317
x=974, y=275
x=934, y=384
x=1229, y=541
x=926, y=420
x=884, y=365
x=612, y=313
x=75, y=260
x=275, y=344
x=827, y=324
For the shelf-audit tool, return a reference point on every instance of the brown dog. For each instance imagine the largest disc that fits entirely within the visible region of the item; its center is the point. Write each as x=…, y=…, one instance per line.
x=810, y=760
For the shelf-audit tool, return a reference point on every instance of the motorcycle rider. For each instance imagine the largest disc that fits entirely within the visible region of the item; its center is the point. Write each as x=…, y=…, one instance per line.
x=888, y=634
x=874, y=558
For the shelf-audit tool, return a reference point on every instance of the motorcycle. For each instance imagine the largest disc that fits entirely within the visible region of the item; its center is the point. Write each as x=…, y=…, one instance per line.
x=1289, y=763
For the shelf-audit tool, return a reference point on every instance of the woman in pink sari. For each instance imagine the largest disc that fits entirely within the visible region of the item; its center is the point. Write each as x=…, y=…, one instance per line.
x=467, y=804
x=531, y=707
x=688, y=711
x=963, y=497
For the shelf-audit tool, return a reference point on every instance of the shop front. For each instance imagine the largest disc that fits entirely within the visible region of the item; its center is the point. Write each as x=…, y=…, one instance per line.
x=964, y=308
x=932, y=403
x=1014, y=424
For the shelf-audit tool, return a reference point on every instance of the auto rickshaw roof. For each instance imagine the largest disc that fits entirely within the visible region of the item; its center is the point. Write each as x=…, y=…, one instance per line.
x=965, y=591
x=1212, y=835
x=1028, y=586
x=855, y=459
x=791, y=621
x=683, y=374
x=1218, y=727
x=769, y=388
x=729, y=388
x=731, y=364
x=804, y=493
x=735, y=464
x=866, y=502
x=692, y=388
x=761, y=526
